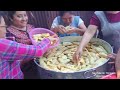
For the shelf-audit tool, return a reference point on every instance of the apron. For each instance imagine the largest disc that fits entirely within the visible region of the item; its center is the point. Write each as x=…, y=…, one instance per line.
x=110, y=31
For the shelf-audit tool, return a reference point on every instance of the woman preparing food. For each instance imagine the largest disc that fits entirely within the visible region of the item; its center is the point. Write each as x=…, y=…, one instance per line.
x=12, y=53
x=67, y=24
x=107, y=22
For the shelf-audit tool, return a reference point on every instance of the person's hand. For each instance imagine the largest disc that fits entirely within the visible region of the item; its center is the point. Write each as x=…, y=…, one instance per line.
x=53, y=39
x=71, y=30
x=75, y=30
x=61, y=29
x=112, y=56
x=48, y=52
x=118, y=74
x=77, y=55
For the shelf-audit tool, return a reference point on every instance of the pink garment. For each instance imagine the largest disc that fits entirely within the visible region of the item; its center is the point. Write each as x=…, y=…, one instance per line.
x=11, y=53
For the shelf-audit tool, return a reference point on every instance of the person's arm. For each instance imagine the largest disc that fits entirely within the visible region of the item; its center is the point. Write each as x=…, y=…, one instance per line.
x=117, y=64
x=92, y=28
x=81, y=29
x=54, y=25
x=112, y=56
x=57, y=28
x=87, y=36
x=10, y=50
x=85, y=39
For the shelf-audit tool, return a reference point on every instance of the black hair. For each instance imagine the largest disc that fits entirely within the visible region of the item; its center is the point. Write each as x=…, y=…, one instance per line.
x=10, y=14
x=61, y=13
x=2, y=13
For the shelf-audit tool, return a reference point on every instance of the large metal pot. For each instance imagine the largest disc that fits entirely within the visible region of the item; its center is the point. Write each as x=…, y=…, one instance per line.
x=93, y=73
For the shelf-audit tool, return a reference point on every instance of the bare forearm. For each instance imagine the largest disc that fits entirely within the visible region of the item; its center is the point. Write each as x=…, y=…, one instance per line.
x=117, y=61
x=81, y=29
x=117, y=64
x=86, y=38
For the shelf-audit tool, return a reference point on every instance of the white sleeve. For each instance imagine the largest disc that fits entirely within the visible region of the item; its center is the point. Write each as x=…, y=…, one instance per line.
x=80, y=21
x=55, y=23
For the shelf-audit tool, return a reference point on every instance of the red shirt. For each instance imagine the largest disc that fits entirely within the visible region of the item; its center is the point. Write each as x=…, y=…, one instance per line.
x=112, y=18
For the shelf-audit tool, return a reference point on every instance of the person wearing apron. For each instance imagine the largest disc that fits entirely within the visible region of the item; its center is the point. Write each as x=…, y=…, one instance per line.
x=66, y=18
x=110, y=31
x=107, y=22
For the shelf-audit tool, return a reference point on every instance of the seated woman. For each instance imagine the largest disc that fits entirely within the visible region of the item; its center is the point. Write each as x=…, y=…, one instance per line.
x=19, y=29
x=67, y=18
x=11, y=53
